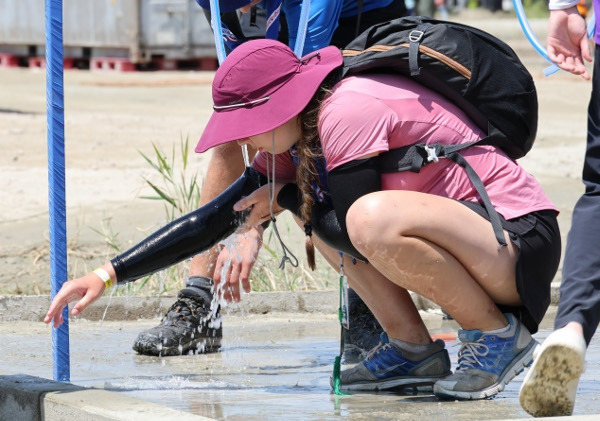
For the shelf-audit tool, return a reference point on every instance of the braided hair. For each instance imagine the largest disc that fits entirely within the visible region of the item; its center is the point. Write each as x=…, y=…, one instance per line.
x=309, y=152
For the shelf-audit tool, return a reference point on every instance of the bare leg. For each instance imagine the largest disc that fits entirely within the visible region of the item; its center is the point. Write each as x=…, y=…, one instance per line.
x=440, y=249
x=444, y=251
x=406, y=355
x=392, y=305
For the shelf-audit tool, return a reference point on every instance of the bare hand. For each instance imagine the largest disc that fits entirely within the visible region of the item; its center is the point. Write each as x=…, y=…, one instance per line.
x=568, y=44
x=258, y=200
x=235, y=263
x=86, y=289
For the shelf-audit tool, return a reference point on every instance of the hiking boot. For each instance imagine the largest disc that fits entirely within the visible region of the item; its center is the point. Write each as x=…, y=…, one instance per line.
x=487, y=362
x=188, y=327
x=388, y=366
x=550, y=385
x=364, y=332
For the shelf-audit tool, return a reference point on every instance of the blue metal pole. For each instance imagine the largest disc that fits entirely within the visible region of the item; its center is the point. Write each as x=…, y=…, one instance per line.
x=56, y=179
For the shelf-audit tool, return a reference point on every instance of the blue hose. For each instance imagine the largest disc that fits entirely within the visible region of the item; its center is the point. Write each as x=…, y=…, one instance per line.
x=215, y=22
x=553, y=68
x=302, y=28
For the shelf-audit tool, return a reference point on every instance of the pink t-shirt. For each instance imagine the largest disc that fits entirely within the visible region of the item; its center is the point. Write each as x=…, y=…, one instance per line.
x=372, y=114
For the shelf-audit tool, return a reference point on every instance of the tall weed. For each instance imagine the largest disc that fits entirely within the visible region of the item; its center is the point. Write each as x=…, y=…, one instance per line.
x=178, y=185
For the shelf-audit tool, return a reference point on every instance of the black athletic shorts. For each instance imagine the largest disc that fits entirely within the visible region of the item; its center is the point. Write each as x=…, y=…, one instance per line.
x=537, y=236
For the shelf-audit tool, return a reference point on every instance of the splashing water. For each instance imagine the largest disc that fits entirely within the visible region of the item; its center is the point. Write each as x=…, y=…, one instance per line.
x=112, y=292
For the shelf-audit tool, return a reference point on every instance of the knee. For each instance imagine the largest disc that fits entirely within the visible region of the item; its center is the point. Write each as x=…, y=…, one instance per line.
x=364, y=222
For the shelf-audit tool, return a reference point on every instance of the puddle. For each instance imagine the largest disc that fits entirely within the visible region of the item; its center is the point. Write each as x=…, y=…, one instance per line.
x=290, y=380
x=272, y=367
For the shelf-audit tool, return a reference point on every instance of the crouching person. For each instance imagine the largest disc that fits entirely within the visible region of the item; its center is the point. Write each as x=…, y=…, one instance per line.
x=319, y=139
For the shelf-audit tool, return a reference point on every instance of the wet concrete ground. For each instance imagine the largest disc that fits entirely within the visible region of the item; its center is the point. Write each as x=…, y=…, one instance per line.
x=273, y=366
x=277, y=366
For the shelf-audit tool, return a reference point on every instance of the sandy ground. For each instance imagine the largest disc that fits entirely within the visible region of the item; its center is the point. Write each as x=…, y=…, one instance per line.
x=111, y=117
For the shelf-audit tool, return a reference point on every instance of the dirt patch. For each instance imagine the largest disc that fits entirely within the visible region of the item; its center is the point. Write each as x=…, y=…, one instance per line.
x=111, y=117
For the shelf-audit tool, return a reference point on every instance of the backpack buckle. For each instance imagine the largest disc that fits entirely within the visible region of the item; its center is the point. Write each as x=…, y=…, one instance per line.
x=415, y=35
x=432, y=155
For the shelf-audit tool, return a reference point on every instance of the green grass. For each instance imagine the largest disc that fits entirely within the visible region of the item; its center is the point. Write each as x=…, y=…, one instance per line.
x=535, y=9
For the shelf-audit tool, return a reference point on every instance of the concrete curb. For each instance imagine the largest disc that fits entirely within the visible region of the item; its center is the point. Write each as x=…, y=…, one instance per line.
x=30, y=398
x=33, y=308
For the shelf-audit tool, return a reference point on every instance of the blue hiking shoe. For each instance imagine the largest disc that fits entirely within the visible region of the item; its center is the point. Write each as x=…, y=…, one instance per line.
x=388, y=366
x=487, y=362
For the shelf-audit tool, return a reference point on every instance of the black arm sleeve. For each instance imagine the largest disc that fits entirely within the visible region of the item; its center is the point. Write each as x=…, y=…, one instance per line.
x=350, y=181
x=189, y=235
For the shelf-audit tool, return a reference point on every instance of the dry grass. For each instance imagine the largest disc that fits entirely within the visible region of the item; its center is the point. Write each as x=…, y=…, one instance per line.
x=179, y=188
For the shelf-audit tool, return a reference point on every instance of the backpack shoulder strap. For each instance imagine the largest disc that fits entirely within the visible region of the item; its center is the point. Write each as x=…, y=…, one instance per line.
x=414, y=37
x=414, y=157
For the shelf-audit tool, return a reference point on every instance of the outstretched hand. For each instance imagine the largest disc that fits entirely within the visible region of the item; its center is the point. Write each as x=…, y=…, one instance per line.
x=86, y=289
x=568, y=44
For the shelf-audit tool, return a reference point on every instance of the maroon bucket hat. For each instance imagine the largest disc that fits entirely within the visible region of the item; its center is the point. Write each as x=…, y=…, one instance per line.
x=260, y=86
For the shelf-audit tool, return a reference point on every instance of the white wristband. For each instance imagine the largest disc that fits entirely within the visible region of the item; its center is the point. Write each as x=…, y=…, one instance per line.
x=103, y=274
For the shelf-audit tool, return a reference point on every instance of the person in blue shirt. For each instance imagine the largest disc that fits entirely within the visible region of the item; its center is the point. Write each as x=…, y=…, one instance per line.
x=331, y=22
x=190, y=325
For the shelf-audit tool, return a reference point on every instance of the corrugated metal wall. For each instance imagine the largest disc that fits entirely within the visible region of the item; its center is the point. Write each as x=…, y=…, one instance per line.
x=136, y=29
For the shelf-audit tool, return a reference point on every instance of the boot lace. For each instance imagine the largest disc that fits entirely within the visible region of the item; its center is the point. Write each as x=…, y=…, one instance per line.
x=470, y=353
x=184, y=310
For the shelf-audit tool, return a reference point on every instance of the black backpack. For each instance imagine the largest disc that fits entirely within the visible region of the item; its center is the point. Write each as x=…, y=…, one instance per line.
x=478, y=72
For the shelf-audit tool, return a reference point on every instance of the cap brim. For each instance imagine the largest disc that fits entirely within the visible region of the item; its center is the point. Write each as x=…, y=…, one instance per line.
x=288, y=101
